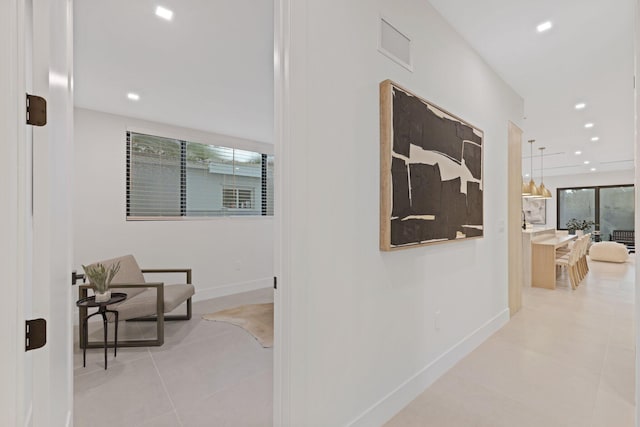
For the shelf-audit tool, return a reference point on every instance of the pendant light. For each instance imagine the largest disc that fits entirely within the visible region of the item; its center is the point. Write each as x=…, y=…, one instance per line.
x=530, y=190
x=544, y=191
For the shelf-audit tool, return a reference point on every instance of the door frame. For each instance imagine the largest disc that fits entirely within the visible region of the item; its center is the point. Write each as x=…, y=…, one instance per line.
x=12, y=395
x=514, y=216
x=35, y=250
x=282, y=295
x=636, y=156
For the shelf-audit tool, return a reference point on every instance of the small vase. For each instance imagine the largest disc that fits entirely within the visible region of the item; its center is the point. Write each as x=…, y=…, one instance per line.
x=579, y=232
x=102, y=297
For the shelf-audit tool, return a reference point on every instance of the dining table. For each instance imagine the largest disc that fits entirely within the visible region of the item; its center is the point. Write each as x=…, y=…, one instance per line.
x=543, y=260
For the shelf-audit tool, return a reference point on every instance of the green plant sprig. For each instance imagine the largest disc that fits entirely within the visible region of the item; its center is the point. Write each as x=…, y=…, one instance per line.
x=101, y=276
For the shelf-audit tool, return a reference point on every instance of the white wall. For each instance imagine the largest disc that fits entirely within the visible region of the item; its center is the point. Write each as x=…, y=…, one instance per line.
x=363, y=334
x=578, y=180
x=227, y=255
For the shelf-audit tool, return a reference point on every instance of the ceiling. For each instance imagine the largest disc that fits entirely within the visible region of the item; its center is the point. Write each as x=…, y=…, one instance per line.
x=587, y=56
x=211, y=68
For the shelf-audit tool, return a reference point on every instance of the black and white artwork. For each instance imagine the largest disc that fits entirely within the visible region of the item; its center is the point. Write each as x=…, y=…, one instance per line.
x=431, y=173
x=535, y=210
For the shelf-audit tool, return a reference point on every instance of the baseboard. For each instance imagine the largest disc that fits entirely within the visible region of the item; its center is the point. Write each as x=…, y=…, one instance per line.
x=231, y=289
x=213, y=292
x=392, y=403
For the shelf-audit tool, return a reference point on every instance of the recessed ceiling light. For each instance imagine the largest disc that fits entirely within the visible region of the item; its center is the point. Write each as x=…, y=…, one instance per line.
x=586, y=162
x=578, y=152
x=526, y=175
x=133, y=96
x=544, y=26
x=164, y=13
x=588, y=125
x=593, y=169
x=580, y=106
x=595, y=138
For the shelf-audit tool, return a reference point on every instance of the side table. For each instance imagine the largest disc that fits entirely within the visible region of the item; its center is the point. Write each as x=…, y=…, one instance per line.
x=102, y=310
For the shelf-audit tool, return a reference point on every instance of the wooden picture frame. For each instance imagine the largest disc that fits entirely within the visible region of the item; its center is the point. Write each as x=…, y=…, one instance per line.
x=431, y=173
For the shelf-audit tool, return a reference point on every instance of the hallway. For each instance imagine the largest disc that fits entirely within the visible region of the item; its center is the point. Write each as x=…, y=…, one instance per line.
x=566, y=359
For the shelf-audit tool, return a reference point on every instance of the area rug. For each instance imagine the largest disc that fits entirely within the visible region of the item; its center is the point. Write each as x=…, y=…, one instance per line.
x=257, y=319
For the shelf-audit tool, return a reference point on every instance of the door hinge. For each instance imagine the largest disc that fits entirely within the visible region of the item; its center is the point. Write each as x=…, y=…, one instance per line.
x=36, y=110
x=36, y=334
x=275, y=282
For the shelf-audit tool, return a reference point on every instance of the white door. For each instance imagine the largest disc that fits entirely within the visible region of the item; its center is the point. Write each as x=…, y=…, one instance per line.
x=35, y=182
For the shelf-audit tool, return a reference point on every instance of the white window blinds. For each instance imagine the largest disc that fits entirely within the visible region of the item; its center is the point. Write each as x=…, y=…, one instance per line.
x=172, y=178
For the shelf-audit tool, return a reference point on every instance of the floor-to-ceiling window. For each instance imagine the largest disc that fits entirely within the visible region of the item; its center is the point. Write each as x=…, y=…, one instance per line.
x=609, y=207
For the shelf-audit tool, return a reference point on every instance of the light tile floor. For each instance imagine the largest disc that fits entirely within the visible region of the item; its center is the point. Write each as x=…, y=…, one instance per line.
x=566, y=359
x=206, y=374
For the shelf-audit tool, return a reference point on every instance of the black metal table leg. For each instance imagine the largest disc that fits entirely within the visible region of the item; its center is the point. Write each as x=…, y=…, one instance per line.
x=85, y=337
x=104, y=324
x=89, y=302
x=115, y=337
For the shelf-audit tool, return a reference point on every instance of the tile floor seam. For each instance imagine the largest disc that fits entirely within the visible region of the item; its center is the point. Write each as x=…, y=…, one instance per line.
x=157, y=416
x=97, y=369
x=522, y=401
x=227, y=387
x=604, y=359
x=199, y=340
x=556, y=361
x=77, y=374
x=255, y=369
x=500, y=393
x=166, y=390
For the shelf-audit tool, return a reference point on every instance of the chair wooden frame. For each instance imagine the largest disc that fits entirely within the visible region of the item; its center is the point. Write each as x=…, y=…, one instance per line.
x=159, y=318
x=576, y=261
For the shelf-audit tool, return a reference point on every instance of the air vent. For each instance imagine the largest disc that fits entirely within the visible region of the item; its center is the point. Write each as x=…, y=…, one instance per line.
x=395, y=45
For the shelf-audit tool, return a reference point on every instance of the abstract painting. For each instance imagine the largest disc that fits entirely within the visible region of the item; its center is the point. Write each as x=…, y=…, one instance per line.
x=431, y=187
x=535, y=210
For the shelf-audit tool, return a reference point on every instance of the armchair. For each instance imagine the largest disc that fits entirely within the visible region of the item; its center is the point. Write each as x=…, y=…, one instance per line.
x=146, y=301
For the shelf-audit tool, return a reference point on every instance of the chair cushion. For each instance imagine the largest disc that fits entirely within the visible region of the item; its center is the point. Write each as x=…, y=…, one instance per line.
x=129, y=273
x=144, y=303
x=608, y=252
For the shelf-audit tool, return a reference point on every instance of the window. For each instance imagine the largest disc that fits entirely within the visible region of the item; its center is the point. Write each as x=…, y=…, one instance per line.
x=169, y=178
x=609, y=207
x=579, y=203
x=237, y=198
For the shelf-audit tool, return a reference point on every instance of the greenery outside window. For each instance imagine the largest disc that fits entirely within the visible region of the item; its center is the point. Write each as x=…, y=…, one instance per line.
x=609, y=207
x=168, y=178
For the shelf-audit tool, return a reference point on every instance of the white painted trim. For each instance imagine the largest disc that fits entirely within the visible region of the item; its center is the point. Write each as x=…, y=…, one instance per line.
x=209, y=293
x=397, y=399
x=231, y=289
x=636, y=153
x=282, y=234
x=69, y=419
